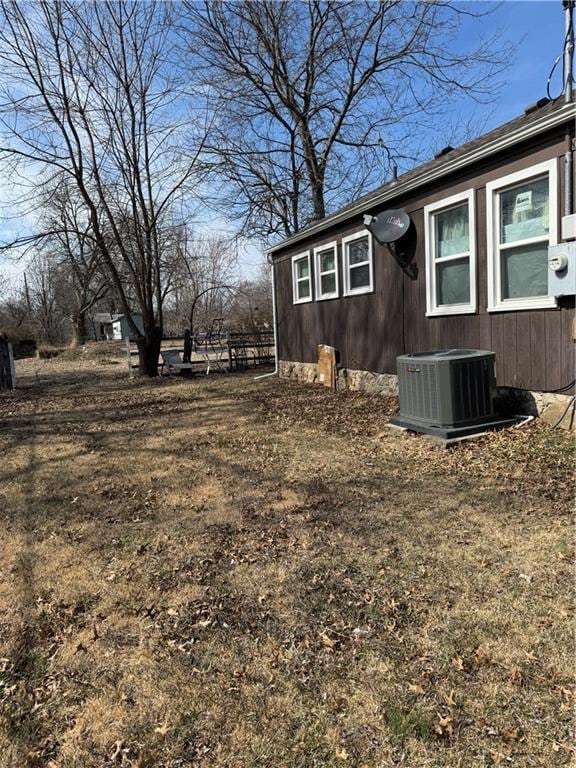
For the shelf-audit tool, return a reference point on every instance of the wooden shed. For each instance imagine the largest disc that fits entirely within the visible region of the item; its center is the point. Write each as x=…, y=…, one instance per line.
x=483, y=217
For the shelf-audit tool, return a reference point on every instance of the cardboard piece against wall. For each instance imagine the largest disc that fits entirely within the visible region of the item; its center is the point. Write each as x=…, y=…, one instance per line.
x=327, y=366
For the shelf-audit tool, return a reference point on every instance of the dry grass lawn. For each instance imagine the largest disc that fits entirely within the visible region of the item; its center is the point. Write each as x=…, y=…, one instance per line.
x=223, y=573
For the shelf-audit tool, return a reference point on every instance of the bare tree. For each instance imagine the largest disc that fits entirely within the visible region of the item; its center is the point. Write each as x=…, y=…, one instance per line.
x=316, y=100
x=92, y=91
x=202, y=274
x=71, y=245
x=46, y=291
x=15, y=309
x=250, y=306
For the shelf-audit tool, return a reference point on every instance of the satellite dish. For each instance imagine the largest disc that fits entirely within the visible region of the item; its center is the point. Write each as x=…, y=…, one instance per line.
x=388, y=226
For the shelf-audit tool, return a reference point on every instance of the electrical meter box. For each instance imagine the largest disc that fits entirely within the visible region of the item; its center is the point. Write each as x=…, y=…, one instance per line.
x=562, y=269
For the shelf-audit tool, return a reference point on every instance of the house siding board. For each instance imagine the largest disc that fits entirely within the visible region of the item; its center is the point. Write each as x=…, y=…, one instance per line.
x=386, y=333
x=416, y=326
x=538, y=346
x=553, y=331
x=534, y=349
x=485, y=323
x=411, y=305
x=481, y=248
x=567, y=345
x=469, y=337
x=523, y=351
x=510, y=348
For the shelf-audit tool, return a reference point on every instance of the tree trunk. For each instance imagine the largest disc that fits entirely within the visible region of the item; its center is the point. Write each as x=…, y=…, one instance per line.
x=186, y=357
x=318, y=200
x=78, y=329
x=149, y=350
x=191, y=316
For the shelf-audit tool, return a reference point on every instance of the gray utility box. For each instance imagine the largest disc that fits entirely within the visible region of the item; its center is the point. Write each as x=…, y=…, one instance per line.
x=448, y=393
x=562, y=269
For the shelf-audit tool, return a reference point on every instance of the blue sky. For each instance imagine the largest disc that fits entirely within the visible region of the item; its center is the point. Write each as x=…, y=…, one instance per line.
x=535, y=27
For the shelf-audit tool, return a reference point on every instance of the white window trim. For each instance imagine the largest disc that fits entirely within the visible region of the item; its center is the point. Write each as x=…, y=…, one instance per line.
x=295, y=280
x=318, y=274
x=495, y=303
x=432, y=309
x=346, y=270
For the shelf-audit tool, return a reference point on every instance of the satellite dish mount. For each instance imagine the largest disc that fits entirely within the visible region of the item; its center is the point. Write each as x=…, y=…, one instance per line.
x=395, y=230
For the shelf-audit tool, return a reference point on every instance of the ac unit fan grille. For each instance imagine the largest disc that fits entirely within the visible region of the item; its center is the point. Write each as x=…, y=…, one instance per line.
x=471, y=390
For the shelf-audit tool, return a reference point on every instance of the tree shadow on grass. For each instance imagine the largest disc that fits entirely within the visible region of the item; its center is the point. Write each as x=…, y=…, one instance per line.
x=31, y=643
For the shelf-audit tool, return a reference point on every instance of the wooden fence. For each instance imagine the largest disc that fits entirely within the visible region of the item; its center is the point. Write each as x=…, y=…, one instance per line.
x=7, y=372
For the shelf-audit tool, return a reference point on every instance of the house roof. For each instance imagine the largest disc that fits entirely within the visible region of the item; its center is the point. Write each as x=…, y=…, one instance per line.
x=102, y=317
x=108, y=317
x=535, y=120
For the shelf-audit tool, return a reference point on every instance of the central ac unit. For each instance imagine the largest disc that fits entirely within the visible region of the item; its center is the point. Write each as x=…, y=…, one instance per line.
x=448, y=393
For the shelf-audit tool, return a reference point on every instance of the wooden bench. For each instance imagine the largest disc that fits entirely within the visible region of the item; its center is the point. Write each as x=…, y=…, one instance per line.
x=173, y=362
x=251, y=349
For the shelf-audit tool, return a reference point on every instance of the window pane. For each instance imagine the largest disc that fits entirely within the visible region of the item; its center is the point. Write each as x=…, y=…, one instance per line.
x=453, y=282
x=524, y=271
x=358, y=251
x=452, y=232
x=328, y=284
x=304, y=289
x=302, y=268
x=327, y=260
x=524, y=211
x=360, y=277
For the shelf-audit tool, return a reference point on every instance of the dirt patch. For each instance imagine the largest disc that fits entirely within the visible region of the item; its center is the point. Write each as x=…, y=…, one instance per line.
x=217, y=572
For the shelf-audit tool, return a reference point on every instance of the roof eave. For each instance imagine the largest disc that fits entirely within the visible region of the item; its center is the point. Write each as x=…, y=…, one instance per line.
x=496, y=145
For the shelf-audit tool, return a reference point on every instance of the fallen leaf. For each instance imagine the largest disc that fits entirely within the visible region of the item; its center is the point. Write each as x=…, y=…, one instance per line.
x=450, y=700
x=117, y=749
x=444, y=726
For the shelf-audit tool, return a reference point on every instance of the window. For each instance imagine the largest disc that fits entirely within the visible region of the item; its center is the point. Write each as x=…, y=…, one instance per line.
x=357, y=258
x=450, y=255
x=301, y=278
x=522, y=222
x=326, y=269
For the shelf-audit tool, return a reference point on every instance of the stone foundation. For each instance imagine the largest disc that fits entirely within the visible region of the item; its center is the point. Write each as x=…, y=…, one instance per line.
x=305, y=373
x=546, y=405
x=359, y=381
x=365, y=381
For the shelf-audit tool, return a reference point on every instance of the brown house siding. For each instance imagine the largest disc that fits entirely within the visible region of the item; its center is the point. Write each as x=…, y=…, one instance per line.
x=534, y=348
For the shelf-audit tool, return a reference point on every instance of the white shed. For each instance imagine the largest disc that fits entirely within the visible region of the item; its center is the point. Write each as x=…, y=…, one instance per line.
x=104, y=326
